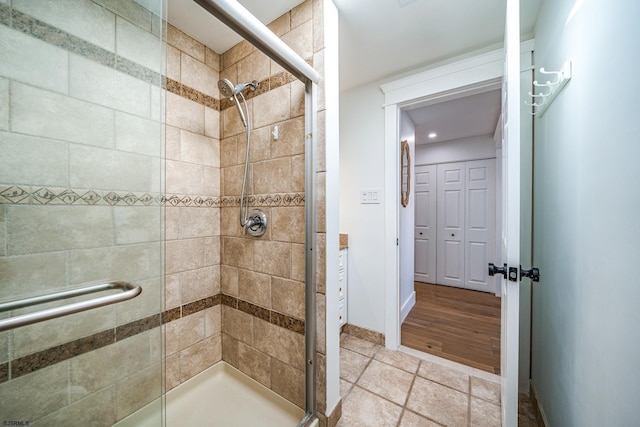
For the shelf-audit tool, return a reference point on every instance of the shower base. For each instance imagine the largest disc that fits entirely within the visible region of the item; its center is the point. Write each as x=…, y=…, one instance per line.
x=219, y=396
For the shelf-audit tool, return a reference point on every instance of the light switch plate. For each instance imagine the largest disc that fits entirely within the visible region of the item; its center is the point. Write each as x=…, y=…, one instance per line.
x=370, y=196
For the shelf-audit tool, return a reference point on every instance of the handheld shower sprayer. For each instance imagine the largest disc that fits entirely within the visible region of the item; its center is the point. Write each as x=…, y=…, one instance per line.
x=256, y=222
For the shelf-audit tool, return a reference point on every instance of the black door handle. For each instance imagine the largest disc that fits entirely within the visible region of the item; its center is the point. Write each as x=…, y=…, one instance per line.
x=533, y=274
x=493, y=270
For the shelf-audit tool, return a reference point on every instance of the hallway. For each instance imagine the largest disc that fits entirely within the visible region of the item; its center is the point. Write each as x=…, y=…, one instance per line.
x=380, y=387
x=461, y=325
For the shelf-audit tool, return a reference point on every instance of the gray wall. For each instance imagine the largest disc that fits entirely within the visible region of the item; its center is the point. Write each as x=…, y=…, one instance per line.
x=585, y=309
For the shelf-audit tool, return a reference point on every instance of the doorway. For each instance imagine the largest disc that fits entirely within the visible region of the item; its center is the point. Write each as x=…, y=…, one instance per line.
x=448, y=302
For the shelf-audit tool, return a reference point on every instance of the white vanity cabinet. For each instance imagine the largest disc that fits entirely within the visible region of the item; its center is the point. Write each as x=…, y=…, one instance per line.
x=342, y=286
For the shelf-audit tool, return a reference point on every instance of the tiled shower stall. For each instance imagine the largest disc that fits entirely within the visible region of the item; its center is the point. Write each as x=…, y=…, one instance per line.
x=120, y=161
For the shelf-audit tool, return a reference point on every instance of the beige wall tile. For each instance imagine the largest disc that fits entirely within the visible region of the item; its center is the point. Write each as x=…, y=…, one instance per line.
x=20, y=165
x=200, y=356
x=22, y=398
x=197, y=75
x=288, y=382
x=31, y=274
x=65, y=227
x=271, y=107
x=297, y=98
x=237, y=324
x=199, y=149
x=199, y=283
x=138, y=135
x=321, y=202
x=291, y=138
x=272, y=176
x=255, y=364
x=321, y=323
x=135, y=391
x=236, y=53
x=298, y=262
x=4, y=104
x=318, y=25
x=232, y=122
x=84, y=19
x=232, y=180
x=238, y=252
x=321, y=263
x=33, y=61
x=172, y=371
x=183, y=255
x=213, y=322
x=281, y=25
x=180, y=40
x=138, y=45
x=229, y=151
x=284, y=345
x=199, y=222
x=184, y=113
x=172, y=143
x=297, y=173
x=184, y=178
x=184, y=332
x=130, y=262
x=288, y=224
x=172, y=291
x=301, y=13
x=229, y=280
x=133, y=12
x=148, y=303
x=137, y=224
x=93, y=371
x=272, y=258
x=230, y=349
x=212, y=123
x=318, y=64
x=255, y=66
x=98, y=168
x=300, y=39
x=254, y=287
x=260, y=145
x=321, y=153
x=98, y=406
x=33, y=338
x=212, y=59
x=230, y=73
x=211, y=181
x=230, y=222
x=212, y=250
x=43, y=113
x=103, y=85
x=173, y=63
x=287, y=296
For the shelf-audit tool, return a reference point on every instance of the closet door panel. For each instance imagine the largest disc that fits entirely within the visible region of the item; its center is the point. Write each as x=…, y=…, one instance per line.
x=451, y=220
x=425, y=224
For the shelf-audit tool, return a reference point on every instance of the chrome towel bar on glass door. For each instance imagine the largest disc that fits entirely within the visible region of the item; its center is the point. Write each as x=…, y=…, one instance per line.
x=129, y=291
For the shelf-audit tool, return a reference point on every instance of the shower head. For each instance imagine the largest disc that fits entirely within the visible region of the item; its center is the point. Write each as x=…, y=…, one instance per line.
x=228, y=90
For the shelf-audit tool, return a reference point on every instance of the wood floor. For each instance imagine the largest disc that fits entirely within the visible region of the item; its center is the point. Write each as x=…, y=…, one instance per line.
x=455, y=324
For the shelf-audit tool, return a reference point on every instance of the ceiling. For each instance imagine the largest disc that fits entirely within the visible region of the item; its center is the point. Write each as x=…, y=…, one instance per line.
x=383, y=38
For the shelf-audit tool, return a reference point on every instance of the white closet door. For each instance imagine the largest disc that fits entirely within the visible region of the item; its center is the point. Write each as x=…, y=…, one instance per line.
x=451, y=218
x=480, y=222
x=425, y=224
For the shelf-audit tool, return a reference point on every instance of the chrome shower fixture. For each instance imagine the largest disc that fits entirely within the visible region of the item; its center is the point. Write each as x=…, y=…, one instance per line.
x=228, y=90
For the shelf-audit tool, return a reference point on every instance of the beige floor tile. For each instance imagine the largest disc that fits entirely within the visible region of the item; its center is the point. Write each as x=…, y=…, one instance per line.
x=358, y=345
x=444, y=375
x=409, y=419
x=439, y=403
x=345, y=388
x=485, y=390
x=364, y=409
x=387, y=381
x=352, y=365
x=398, y=359
x=485, y=414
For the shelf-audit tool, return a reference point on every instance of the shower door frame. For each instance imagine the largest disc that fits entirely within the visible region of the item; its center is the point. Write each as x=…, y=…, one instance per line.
x=240, y=20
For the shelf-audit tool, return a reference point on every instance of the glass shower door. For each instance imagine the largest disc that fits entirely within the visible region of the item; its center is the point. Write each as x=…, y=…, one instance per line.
x=80, y=205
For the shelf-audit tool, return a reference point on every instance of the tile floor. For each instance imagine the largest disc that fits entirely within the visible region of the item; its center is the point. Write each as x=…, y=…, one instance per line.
x=384, y=388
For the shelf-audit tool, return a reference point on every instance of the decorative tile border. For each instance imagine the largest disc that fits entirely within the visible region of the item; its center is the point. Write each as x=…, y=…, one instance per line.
x=42, y=359
x=36, y=195
x=273, y=317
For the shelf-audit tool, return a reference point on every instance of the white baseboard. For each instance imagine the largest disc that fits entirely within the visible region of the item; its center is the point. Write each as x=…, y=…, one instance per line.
x=407, y=306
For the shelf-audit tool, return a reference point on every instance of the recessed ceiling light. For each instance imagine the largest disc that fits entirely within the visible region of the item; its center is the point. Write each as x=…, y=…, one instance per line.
x=432, y=135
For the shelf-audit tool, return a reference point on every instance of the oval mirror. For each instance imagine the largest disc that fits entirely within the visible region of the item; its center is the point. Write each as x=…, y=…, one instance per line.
x=405, y=173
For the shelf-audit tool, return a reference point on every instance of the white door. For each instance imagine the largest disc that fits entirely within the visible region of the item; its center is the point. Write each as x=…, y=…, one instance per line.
x=511, y=215
x=480, y=221
x=450, y=234
x=425, y=224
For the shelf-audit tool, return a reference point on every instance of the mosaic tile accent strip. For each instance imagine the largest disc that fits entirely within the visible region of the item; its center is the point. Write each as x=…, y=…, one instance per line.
x=14, y=194
x=192, y=94
x=42, y=359
x=273, y=317
x=56, y=37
